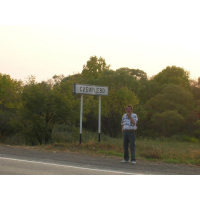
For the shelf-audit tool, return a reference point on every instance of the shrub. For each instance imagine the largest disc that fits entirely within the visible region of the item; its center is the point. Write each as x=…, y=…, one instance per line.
x=185, y=138
x=167, y=123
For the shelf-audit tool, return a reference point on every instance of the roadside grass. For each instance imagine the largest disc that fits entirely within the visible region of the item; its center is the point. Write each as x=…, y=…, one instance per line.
x=160, y=149
x=152, y=150
x=171, y=150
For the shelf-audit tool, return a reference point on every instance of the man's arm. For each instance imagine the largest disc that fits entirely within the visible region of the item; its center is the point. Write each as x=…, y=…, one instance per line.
x=132, y=120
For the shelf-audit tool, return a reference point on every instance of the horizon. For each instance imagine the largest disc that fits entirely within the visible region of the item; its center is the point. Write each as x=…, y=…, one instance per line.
x=148, y=77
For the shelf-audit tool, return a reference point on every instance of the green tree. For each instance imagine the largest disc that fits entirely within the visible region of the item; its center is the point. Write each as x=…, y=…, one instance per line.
x=175, y=75
x=124, y=77
x=10, y=91
x=172, y=97
x=167, y=124
x=10, y=102
x=197, y=129
x=44, y=106
x=149, y=89
x=94, y=67
x=195, y=88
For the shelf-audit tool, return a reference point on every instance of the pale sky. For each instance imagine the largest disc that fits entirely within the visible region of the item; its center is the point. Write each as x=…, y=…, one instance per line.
x=45, y=38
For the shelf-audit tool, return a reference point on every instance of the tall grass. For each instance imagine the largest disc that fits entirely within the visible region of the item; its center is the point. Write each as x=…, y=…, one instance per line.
x=173, y=150
x=169, y=150
x=160, y=149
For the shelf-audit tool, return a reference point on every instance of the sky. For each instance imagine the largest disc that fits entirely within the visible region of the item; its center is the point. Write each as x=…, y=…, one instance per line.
x=47, y=38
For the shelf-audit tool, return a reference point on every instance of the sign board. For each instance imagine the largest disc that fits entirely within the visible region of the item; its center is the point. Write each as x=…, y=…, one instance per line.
x=90, y=90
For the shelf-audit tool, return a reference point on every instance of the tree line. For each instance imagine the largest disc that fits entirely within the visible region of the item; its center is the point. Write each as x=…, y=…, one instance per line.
x=167, y=105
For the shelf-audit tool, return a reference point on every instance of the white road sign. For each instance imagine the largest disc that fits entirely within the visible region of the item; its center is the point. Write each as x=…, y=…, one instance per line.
x=90, y=90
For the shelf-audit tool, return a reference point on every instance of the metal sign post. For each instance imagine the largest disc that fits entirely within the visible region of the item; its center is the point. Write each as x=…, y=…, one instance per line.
x=90, y=90
x=81, y=118
x=99, y=124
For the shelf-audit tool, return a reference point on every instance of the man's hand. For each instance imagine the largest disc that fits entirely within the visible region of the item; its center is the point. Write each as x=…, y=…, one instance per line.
x=129, y=115
x=132, y=120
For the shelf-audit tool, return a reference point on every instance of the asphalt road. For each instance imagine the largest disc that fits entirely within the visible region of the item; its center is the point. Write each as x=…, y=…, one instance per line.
x=22, y=161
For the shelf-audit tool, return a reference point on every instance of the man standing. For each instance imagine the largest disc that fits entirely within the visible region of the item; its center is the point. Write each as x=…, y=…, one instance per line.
x=129, y=121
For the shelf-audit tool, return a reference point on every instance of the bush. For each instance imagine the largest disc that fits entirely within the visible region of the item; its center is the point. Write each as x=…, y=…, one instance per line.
x=63, y=133
x=17, y=139
x=194, y=140
x=185, y=138
x=167, y=123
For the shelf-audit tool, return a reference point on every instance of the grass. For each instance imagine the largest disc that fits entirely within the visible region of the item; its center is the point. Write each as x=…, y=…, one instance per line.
x=153, y=150
x=169, y=151
x=164, y=149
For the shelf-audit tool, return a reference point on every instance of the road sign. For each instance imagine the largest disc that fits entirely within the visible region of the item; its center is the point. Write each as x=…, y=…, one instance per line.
x=90, y=90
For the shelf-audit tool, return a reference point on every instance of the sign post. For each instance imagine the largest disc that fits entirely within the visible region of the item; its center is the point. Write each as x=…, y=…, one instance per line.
x=99, y=124
x=81, y=118
x=90, y=90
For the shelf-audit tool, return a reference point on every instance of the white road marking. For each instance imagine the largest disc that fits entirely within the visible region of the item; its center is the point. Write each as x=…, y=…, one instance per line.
x=69, y=166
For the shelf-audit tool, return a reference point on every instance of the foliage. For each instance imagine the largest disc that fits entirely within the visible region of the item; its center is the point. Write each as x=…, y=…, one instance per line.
x=167, y=104
x=10, y=91
x=167, y=123
x=43, y=106
x=94, y=67
x=10, y=102
x=172, y=97
x=174, y=75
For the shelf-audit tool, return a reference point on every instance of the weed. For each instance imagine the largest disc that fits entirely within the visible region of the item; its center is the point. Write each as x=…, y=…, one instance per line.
x=176, y=150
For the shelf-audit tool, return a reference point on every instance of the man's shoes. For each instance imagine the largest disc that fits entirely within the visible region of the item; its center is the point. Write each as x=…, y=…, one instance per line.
x=133, y=162
x=124, y=161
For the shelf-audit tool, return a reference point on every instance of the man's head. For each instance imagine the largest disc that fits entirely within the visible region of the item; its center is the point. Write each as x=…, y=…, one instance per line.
x=129, y=108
